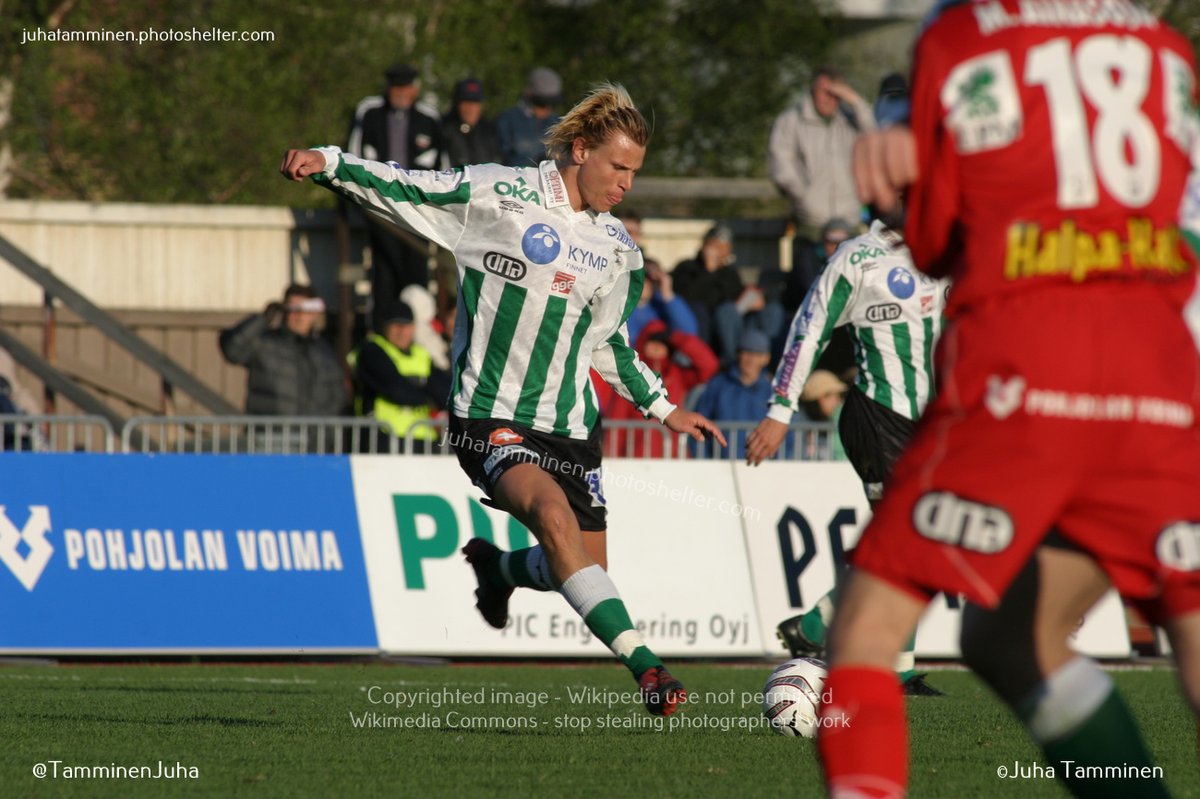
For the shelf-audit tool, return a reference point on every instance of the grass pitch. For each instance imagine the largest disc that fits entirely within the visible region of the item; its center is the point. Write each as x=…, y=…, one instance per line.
x=378, y=729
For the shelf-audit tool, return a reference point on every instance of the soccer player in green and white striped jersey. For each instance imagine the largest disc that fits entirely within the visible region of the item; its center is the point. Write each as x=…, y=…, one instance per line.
x=894, y=315
x=547, y=278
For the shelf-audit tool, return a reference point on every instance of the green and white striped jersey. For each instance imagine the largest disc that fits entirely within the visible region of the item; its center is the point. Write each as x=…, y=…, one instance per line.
x=895, y=316
x=544, y=291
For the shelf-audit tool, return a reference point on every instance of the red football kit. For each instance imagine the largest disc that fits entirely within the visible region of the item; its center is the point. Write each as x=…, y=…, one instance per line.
x=1058, y=145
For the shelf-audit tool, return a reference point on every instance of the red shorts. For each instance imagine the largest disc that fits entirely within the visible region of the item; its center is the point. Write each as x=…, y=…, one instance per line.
x=1073, y=408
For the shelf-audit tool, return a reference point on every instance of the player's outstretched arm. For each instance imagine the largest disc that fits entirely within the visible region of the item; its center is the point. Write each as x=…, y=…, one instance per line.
x=695, y=425
x=763, y=442
x=299, y=164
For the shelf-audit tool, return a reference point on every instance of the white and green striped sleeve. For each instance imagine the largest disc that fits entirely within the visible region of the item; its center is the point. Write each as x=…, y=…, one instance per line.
x=616, y=361
x=431, y=204
x=825, y=308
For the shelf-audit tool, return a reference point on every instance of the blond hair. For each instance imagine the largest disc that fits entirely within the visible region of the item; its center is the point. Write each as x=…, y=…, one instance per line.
x=607, y=110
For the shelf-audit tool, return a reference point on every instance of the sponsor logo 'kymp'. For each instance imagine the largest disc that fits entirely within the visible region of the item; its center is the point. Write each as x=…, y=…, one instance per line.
x=503, y=265
x=885, y=312
x=26, y=568
x=582, y=256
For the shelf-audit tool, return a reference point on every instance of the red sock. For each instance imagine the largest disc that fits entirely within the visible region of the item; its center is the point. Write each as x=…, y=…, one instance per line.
x=862, y=736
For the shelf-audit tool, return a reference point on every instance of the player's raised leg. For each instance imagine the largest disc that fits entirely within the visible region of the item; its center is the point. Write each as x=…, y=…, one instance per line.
x=536, y=499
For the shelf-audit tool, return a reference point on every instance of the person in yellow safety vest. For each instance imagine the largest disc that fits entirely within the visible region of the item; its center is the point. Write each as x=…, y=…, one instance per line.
x=396, y=381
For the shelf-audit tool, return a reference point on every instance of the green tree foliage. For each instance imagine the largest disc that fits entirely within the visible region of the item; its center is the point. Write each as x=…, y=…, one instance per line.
x=206, y=122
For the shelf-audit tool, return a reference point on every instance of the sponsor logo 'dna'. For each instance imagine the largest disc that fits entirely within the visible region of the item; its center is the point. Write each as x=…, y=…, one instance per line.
x=884, y=312
x=504, y=265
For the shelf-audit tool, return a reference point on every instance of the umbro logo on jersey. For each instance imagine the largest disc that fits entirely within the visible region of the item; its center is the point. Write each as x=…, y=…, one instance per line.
x=884, y=312
x=562, y=284
x=511, y=205
x=503, y=265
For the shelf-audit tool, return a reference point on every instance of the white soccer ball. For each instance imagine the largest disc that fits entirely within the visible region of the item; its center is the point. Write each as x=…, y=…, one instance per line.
x=792, y=697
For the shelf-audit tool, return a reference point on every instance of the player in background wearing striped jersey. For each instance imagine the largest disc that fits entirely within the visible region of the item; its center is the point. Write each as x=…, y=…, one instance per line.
x=894, y=314
x=547, y=278
x=1052, y=170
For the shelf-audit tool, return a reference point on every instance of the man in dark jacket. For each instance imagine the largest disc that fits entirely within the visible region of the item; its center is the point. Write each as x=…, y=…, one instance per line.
x=393, y=127
x=468, y=136
x=291, y=371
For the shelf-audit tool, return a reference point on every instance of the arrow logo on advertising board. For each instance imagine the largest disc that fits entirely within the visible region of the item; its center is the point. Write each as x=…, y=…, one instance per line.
x=26, y=568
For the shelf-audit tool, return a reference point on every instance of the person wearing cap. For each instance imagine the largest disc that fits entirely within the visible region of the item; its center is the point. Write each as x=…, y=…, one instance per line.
x=522, y=128
x=822, y=399
x=396, y=382
x=290, y=369
x=394, y=126
x=891, y=106
x=737, y=394
x=893, y=313
x=469, y=137
x=722, y=304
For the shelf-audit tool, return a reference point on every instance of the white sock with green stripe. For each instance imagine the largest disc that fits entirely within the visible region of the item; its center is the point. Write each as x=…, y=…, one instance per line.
x=593, y=595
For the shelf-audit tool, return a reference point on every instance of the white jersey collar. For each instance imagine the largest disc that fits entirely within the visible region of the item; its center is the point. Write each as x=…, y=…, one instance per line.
x=554, y=188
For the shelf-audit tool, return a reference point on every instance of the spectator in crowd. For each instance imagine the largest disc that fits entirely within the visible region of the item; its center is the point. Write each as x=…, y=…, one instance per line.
x=393, y=127
x=891, y=106
x=739, y=393
x=811, y=259
x=523, y=127
x=808, y=155
x=396, y=381
x=659, y=302
x=290, y=369
x=683, y=361
x=469, y=137
x=16, y=401
x=424, y=311
x=722, y=304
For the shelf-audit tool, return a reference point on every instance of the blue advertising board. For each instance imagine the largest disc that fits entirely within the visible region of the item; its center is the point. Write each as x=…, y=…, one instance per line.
x=181, y=553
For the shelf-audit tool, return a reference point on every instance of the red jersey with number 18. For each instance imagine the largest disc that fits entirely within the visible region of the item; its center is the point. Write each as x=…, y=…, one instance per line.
x=1094, y=97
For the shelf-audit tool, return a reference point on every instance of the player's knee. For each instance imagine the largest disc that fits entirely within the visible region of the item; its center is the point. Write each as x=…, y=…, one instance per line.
x=554, y=524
